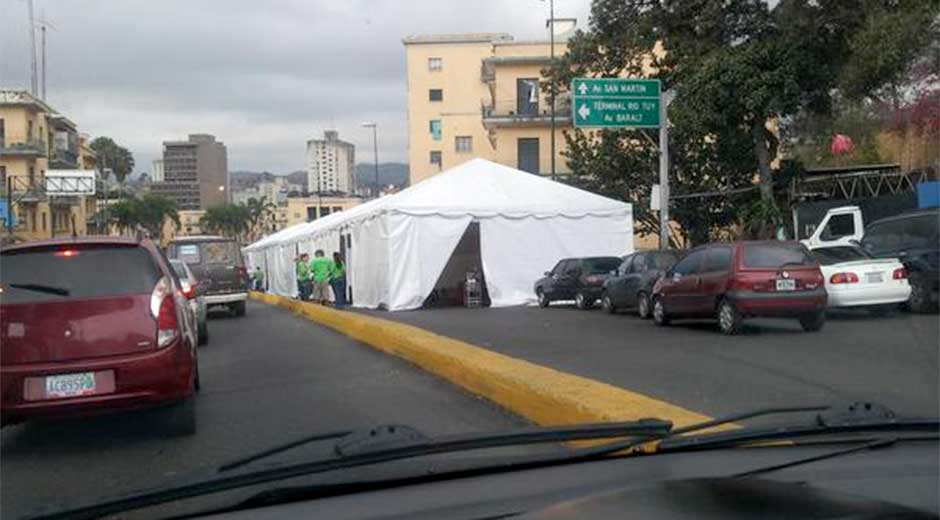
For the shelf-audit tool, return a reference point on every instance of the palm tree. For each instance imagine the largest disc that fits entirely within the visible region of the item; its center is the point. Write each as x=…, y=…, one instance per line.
x=149, y=212
x=261, y=212
x=229, y=220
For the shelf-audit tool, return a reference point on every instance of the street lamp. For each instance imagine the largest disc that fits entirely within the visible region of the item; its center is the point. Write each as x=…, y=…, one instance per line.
x=551, y=92
x=375, y=151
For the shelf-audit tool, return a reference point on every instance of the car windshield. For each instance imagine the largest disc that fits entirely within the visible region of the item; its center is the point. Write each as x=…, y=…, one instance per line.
x=773, y=256
x=378, y=222
x=601, y=265
x=837, y=255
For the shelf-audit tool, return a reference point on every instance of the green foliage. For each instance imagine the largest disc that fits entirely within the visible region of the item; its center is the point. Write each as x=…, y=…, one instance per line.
x=261, y=213
x=114, y=157
x=148, y=212
x=229, y=220
x=761, y=219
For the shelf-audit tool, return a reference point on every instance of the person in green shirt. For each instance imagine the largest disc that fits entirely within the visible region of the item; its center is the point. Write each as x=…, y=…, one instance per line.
x=338, y=280
x=259, y=279
x=320, y=268
x=303, y=277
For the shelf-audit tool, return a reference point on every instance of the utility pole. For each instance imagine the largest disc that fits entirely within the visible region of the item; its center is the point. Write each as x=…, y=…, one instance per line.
x=665, y=100
x=33, y=79
x=551, y=44
x=375, y=151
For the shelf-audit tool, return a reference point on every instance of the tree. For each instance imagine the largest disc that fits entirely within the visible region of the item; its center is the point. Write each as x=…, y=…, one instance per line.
x=261, y=213
x=230, y=220
x=110, y=155
x=737, y=66
x=149, y=212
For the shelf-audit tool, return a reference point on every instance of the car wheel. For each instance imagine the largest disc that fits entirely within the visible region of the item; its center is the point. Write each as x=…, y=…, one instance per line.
x=660, y=317
x=583, y=302
x=608, y=305
x=729, y=319
x=543, y=300
x=813, y=322
x=238, y=308
x=180, y=418
x=643, y=309
x=920, y=293
x=203, y=333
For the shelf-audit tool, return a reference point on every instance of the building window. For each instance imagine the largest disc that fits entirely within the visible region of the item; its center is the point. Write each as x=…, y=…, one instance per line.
x=463, y=144
x=436, y=158
x=435, y=129
x=435, y=94
x=434, y=64
x=337, y=209
x=43, y=220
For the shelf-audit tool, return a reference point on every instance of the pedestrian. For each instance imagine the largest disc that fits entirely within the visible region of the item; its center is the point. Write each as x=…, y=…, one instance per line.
x=338, y=280
x=259, y=279
x=303, y=277
x=320, y=268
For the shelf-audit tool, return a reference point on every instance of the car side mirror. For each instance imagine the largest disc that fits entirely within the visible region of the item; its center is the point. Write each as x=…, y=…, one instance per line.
x=548, y=273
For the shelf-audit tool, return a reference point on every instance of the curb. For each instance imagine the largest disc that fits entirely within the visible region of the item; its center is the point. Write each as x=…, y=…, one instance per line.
x=543, y=395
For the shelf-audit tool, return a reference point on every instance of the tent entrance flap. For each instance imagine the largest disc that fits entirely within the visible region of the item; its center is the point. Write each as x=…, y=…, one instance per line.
x=449, y=290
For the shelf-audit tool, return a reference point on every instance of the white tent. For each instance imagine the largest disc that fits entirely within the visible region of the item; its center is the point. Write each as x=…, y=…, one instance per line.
x=397, y=246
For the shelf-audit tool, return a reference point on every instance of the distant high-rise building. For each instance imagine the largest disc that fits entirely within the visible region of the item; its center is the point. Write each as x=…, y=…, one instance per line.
x=157, y=174
x=330, y=164
x=195, y=172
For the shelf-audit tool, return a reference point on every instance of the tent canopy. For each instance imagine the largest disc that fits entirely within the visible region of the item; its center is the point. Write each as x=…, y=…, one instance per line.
x=397, y=246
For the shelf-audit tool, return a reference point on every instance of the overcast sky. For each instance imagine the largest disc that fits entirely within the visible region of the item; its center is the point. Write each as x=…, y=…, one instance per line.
x=263, y=76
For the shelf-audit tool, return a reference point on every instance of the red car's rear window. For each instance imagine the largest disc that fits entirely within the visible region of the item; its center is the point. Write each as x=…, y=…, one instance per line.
x=32, y=276
x=775, y=256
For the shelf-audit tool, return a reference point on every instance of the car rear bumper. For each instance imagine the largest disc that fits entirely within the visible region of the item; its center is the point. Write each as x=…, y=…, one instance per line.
x=131, y=381
x=880, y=295
x=778, y=304
x=215, y=299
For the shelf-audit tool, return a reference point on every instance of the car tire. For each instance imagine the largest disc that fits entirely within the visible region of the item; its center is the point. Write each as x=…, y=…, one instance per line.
x=919, y=301
x=643, y=308
x=729, y=319
x=813, y=322
x=543, y=299
x=179, y=419
x=203, y=333
x=238, y=308
x=583, y=302
x=660, y=316
x=608, y=305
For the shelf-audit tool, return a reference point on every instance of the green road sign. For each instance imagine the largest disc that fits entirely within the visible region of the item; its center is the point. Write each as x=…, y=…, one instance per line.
x=615, y=103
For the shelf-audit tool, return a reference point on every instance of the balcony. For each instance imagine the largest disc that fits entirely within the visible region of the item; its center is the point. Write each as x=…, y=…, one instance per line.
x=506, y=114
x=23, y=190
x=63, y=159
x=30, y=147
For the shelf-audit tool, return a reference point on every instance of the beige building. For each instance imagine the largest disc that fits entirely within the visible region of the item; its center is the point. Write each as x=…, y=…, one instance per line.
x=479, y=95
x=331, y=163
x=308, y=209
x=195, y=172
x=35, y=138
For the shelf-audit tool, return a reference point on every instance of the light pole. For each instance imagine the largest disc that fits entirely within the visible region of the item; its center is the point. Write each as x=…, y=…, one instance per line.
x=375, y=151
x=551, y=91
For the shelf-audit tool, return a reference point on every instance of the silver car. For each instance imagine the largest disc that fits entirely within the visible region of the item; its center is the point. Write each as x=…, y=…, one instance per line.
x=195, y=293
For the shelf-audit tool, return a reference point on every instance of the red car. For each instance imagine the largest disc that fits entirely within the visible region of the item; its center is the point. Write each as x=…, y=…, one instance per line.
x=94, y=325
x=731, y=282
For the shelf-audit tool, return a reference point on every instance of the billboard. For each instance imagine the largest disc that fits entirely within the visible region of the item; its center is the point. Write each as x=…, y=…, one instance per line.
x=70, y=182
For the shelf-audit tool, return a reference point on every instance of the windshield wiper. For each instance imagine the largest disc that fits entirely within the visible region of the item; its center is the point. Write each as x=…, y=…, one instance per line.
x=382, y=444
x=48, y=289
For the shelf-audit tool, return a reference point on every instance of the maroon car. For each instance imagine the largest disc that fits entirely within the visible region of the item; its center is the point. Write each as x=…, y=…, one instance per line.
x=731, y=282
x=94, y=325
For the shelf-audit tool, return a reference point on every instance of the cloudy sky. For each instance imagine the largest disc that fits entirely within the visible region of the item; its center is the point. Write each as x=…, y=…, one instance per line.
x=263, y=76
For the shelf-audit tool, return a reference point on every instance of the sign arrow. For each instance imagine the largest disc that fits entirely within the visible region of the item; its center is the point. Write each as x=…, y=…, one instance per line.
x=583, y=89
x=584, y=111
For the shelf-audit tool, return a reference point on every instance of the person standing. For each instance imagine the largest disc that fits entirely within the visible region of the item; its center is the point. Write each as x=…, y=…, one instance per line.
x=259, y=279
x=303, y=277
x=338, y=280
x=320, y=268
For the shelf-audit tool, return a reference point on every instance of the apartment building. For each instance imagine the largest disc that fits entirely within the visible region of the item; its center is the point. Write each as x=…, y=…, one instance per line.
x=157, y=174
x=479, y=95
x=34, y=139
x=195, y=172
x=308, y=209
x=331, y=164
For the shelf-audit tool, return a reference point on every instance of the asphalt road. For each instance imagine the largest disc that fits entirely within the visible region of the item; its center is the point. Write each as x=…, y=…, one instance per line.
x=891, y=360
x=268, y=378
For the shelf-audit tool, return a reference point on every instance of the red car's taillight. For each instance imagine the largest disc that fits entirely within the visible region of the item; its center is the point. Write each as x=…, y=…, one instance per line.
x=900, y=274
x=843, y=278
x=163, y=308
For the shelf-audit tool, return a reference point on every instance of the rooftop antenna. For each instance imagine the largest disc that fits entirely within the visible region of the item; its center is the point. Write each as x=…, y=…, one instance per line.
x=43, y=23
x=33, y=79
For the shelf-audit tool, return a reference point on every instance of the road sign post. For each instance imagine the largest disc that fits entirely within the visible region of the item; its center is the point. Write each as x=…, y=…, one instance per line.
x=628, y=103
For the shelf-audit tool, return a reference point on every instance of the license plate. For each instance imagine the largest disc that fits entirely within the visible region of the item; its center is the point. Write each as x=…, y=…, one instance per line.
x=874, y=277
x=70, y=385
x=786, y=285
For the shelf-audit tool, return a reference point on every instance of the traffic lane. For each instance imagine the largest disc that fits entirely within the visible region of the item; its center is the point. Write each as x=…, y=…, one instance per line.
x=892, y=360
x=267, y=378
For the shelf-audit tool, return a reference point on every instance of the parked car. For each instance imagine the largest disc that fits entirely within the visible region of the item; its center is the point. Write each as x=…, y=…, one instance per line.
x=914, y=238
x=580, y=279
x=732, y=282
x=218, y=263
x=632, y=284
x=854, y=279
x=194, y=291
x=94, y=325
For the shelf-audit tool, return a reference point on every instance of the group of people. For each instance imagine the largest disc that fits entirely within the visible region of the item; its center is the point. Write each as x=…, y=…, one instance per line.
x=315, y=278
